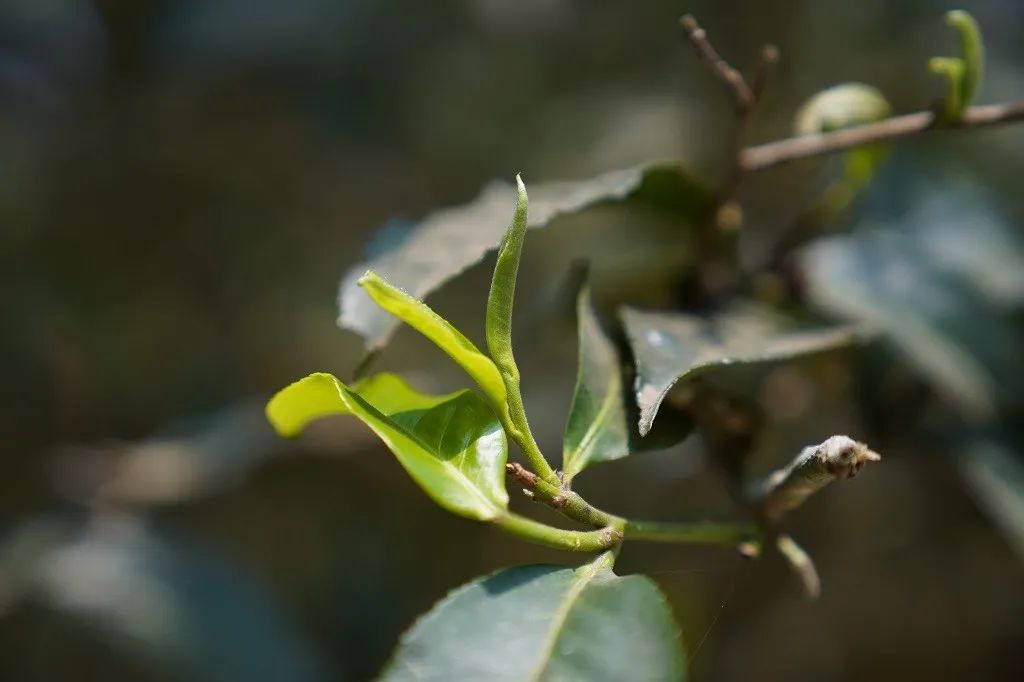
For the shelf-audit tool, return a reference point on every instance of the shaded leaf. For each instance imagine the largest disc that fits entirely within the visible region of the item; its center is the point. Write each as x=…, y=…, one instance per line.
x=934, y=312
x=669, y=347
x=176, y=604
x=597, y=429
x=545, y=623
x=451, y=445
x=962, y=230
x=420, y=317
x=451, y=240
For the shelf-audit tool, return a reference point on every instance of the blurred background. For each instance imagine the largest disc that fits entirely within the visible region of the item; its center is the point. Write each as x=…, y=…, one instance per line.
x=182, y=186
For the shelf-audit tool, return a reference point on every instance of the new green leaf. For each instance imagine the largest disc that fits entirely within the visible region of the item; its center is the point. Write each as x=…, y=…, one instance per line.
x=499, y=333
x=545, y=623
x=420, y=317
x=669, y=347
x=503, y=289
x=451, y=445
x=963, y=74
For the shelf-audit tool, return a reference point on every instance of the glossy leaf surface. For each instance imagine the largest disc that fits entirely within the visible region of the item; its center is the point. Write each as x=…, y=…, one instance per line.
x=669, y=347
x=451, y=240
x=545, y=623
x=451, y=445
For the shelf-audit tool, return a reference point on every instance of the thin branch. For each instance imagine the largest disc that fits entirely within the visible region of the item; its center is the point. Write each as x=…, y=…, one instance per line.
x=768, y=58
x=772, y=154
x=742, y=96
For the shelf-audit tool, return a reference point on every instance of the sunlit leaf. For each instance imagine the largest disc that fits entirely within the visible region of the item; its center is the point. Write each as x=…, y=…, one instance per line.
x=451, y=240
x=451, y=445
x=545, y=623
x=420, y=317
x=669, y=347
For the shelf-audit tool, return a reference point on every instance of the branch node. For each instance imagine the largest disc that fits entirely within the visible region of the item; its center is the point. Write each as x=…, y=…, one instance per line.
x=521, y=474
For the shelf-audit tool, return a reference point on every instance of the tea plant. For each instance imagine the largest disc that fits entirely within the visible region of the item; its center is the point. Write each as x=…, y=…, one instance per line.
x=587, y=623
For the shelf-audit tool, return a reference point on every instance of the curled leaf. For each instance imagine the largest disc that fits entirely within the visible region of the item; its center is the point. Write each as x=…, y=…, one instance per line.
x=963, y=74
x=841, y=106
x=670, y=347
x=451, y=445
x=503, y=289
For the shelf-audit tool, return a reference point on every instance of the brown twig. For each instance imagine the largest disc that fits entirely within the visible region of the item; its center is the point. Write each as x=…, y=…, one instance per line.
x=761, y=157
x=768, y=58
x=742, y=96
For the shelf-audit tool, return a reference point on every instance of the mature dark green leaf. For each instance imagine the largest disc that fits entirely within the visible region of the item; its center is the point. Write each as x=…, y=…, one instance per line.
x=420, y=317
x=449, y=241
x=669, y=347
x=451, y=445
x=178, y=605
x=935, y=267
x=945, y=327
x=545, y=623
x=598, y=428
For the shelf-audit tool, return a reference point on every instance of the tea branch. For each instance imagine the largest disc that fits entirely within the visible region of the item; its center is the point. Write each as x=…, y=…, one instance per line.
x=771, y=154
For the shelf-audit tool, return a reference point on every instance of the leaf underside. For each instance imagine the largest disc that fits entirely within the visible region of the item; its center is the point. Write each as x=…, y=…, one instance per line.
x=449, y=241
x=451, y=445
x=545, y=623
x=672, y=347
